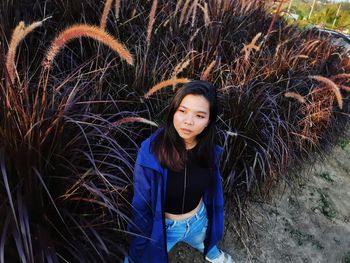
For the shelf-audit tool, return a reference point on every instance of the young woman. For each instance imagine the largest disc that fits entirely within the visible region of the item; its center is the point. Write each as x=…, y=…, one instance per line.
x=177, y=184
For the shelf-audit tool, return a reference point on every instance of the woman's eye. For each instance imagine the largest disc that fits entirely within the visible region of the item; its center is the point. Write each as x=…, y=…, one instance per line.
x=200, y=116
x=181, y=110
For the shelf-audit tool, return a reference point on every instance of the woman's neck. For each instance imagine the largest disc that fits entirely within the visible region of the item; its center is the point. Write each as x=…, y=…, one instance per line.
x=190, y=145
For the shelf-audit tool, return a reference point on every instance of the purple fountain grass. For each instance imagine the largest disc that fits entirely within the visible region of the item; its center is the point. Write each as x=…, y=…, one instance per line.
x=66, y=173
x=58, y=165
x=74, y=134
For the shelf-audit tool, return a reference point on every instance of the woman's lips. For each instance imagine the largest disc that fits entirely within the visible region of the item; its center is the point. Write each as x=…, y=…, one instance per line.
x=186, y=131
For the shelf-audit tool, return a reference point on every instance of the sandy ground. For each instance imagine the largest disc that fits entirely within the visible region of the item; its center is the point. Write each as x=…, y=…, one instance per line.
x=306, y=222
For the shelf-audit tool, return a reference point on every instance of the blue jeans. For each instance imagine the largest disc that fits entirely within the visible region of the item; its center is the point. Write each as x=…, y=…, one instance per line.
x=191, y=231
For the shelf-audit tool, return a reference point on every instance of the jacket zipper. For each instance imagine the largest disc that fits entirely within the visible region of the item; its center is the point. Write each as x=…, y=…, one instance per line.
x=184, y=195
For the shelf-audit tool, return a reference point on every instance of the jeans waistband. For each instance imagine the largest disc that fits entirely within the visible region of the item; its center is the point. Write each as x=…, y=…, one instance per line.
x=201, y=211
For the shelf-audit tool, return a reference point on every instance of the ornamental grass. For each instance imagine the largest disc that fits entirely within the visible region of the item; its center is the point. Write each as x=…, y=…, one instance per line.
x=71, y=125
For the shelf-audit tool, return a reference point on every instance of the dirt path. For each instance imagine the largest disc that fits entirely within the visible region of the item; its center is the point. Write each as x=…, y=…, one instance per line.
x=310, y=223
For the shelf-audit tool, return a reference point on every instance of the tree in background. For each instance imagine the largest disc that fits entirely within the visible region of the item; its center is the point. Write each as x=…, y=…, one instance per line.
x=323, y=15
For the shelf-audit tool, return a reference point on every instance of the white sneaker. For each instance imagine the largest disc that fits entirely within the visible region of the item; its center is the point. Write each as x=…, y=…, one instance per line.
x=223, y=258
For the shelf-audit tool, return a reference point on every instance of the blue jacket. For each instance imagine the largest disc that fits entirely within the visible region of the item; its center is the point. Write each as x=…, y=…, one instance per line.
x=147, y=228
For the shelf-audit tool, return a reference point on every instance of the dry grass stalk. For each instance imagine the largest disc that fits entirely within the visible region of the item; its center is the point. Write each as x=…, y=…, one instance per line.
x=296, y=96
x=227, y=5
x=318, y=113
x=275, y=16
x=83, y=30
x=206, y=14
x=117, y=8
x=277, y=50
x=310, y=46
x=179, y=2
x=194, y=35
x=246, y=6
x=74, y=188
x=218, y=5
x=191, y=12
x=151, y=21
x=183, y=12
x=346, y=88
x=184, y=63
x=252, y=45
x=194, y=13
x=164, y=84
x=20, y=32
x=342, y=76
x=346, y=63
x=301, y=56
x=333, y=87
x=181, y=66
x=134, y=119
x=304, y=137
x=105, y=13
x=208, y=70
x=296, y=59
x=316, y=121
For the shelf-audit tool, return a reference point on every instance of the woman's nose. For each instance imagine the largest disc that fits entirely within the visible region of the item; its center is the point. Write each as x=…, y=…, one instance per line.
x=189, y=120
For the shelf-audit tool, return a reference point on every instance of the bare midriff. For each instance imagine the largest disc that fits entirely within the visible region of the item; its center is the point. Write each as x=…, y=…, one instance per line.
x=183, y=216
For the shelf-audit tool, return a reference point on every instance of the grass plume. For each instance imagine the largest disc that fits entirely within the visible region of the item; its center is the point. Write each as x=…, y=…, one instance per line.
x=135, y=119
x=20, y=32
x=208, y=70
x=334, y=88
x=182, y=65
x=252, y=45
x=83, y=30
x=151, y=21
x=295, y=95
x=164, y=84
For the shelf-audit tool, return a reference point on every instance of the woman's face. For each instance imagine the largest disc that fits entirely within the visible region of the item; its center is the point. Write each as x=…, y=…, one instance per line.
x=191, y=118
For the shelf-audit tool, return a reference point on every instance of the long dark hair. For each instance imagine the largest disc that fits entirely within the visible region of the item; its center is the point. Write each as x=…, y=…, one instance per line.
x=170, y=148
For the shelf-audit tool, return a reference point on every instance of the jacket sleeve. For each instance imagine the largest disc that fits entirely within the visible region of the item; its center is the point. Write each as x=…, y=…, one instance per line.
x=219, y=197
x=219, y=202
x=141, y=225
x=215, y=208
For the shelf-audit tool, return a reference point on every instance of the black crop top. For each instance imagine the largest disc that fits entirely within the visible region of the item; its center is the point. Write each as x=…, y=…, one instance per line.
x=186, y=187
